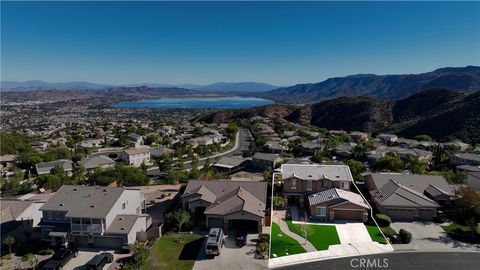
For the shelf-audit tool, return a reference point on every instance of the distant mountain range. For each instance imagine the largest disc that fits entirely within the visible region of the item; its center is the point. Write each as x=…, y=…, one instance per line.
x=215, y=87
x=441, y=113
x=379, y=86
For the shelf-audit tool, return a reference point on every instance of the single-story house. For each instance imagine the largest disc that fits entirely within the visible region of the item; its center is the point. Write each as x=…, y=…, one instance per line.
x=229, y=164
x=266, y=161
x=408, y=196
x=226, y=204
x=46, y=167
x=102, y=162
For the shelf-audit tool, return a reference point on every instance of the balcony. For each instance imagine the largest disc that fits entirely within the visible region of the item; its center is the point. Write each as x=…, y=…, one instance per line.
x=87, y=228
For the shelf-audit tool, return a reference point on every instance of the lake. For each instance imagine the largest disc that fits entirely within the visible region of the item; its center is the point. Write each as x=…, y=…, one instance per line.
x=197, y=103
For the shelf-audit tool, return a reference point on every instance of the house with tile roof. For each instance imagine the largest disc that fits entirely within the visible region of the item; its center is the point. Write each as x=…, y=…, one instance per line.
x=408, y=196
x=226, y=204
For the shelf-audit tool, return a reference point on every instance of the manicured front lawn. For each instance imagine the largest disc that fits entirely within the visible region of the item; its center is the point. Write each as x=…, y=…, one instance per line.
x=168, y=253
x=375, y=234
x=462, y=233
x=321, y=236
x=283, y=245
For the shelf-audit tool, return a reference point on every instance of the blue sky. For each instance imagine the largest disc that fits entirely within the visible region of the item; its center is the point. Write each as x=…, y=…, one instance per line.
x=282, y=43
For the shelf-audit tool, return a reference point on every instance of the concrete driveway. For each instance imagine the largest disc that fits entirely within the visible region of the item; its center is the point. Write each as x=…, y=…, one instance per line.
x=232, y=257
x=353, y=232
x=84, y=256
x=429, y=236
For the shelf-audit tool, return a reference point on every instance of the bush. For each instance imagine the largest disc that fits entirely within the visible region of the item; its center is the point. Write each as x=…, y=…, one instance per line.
x=405, y=236
x=383, y=220
x=264, y=238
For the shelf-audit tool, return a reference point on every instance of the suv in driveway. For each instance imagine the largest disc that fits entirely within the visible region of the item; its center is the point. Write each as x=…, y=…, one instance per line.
x=214, y=241
x=60, y=258
x=99, y=261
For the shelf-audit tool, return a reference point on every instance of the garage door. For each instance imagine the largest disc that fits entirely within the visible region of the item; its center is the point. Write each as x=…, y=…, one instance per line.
x=401, y=214
x=426, y=214
x=348, y=215
x=250, y=226
x=109, y=242
x=215, y=222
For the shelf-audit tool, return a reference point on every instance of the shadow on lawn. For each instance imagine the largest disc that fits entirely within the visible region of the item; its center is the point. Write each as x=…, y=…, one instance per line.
x=190, y=250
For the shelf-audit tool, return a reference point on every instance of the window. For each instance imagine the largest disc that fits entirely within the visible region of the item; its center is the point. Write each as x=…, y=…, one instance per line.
x=309, y=185
x=325, y=183
x=294, y=184
x=344, y=185
x=321, y=211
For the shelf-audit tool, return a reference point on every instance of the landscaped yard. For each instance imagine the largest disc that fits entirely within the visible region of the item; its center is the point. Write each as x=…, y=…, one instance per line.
x=462, y=233
x=169, y=253
x=321, y=236
x=282, y=244
x=375, y=234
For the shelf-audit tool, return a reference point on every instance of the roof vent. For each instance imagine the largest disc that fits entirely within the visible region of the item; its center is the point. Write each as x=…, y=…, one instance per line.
x=122, y=228
x=92, y=206
x=337, y=176
x=120, y=218
x=105, y=190
x=75, y=189
x=61, y=204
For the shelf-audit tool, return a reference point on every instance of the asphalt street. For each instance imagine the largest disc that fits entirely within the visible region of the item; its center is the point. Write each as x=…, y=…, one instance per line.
x=399, y=261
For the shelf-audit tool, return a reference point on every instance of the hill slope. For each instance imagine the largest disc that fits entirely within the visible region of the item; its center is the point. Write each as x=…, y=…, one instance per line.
x=383, y=87
x=440, y=113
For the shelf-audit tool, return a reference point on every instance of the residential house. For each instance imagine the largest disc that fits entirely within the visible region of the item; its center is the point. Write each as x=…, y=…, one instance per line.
x=90, y=143
x=160, y=152
x=408, y=196
x=135, y=140
x=359, y=136
x=266, y=161
x=338, y=204
x=310, y=148
x=93, y=163
x=473, y=180
x=407, y=153
x=46, y=167
x=460, y=145
x=324, y=190
x=39, y=146
x=135, y=156
x=276, y=147
x=93, y=216
x=337, y=132
x=387, y=138
x=18, y=218
x=465, y=159
x=227, y=204
x=345, y=150
x=230, y=164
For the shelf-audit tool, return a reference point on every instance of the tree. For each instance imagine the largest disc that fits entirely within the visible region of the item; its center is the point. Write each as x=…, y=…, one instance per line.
x=31, y=259
x=9, y=241
x=424, y=138
x=278, y=202
x=356, y=167
x=140, y=254
x=465, y=208
x=178, y=217
x=388, y=163
x=416, y=166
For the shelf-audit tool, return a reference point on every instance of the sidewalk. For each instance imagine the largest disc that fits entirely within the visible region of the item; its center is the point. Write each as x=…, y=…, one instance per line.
x=333, y=252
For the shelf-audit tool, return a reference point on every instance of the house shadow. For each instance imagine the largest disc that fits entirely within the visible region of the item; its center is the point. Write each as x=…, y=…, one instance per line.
x=190, y=250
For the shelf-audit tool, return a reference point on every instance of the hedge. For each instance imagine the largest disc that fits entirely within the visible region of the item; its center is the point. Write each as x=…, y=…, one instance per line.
x=383, y=220
x=405, y=236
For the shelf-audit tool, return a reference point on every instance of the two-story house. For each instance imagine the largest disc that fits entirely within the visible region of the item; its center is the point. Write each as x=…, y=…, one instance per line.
x=135, y=156
x=324, y=190
x=93, y=216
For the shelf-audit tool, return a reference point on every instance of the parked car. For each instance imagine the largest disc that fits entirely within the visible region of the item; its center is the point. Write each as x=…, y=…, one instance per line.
x=215, y=241
x=99, y=261
x=60, y=258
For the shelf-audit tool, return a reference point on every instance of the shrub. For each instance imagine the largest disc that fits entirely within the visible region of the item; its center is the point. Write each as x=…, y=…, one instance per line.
x=405, y=236
x=264, y=238
x=383, y=220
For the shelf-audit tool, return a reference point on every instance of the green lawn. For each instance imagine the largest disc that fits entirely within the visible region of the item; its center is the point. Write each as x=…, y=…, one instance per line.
x=321, y=236
x=282, y=244
x=375, y=234
x=168, y=253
